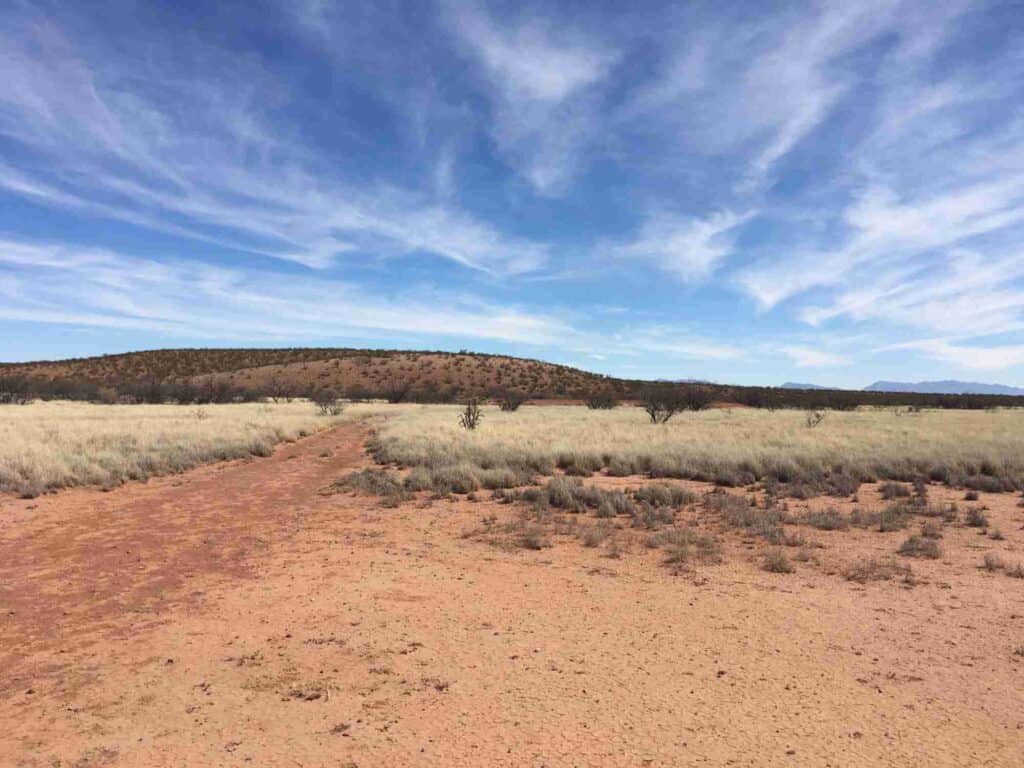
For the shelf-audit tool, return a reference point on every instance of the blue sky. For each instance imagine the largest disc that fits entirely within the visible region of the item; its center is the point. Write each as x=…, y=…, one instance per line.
x=740, y=192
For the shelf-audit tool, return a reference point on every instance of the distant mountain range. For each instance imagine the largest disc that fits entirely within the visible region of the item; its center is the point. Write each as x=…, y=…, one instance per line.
x=947, y=387
x=798, y=385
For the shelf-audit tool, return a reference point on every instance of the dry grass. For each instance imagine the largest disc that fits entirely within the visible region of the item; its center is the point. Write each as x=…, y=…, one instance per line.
x=46, y=446
x=729, y=446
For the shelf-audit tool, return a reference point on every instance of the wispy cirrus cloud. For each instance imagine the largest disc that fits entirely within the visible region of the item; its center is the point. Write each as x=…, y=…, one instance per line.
x=542, y=93
x=690, y=248
x=199, y=156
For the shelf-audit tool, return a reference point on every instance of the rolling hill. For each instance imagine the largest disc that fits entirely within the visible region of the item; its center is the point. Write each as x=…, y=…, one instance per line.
x=220, y=375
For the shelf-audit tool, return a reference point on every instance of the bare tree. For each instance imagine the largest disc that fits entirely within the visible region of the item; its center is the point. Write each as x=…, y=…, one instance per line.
x=471, y=415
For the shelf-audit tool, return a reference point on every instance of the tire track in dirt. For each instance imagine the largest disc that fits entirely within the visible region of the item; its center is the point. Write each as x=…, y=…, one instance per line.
x=74, y=564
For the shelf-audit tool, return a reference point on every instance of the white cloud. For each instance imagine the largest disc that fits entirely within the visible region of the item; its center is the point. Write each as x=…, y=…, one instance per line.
x=964, y=356
x=690, y=248
x=193, y=153
x=46, y=282
x=542, y=78
x=811, y=357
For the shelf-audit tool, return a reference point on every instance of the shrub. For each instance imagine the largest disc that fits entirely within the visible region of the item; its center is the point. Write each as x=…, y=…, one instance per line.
x=661, y=403
x=993, y=562
x=776, y=561
x=1017, y=572
x=919, y=546
x=377, y=482
x=602, y=401
x=510, y=401
x=531, y=537
x=594, y=535
x=419, y=479
x=895, y=517
x=976, y=518
x=931, y=530
x=662, y=494
x=829, y=519
x=814, y=418
x=971, y=496
x=471, y=415
x=877, y=570
x=842, y=484
x=455, y=478
x=892, y=491
x=996, y=535
x=327, y=403
x=683, y=544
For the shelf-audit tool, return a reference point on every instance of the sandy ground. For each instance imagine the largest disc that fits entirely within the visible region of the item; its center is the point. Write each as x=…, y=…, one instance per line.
x=243, y=615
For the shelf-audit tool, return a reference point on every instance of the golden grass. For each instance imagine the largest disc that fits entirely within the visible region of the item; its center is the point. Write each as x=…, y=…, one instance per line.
x=731, y=446
x=50, y=445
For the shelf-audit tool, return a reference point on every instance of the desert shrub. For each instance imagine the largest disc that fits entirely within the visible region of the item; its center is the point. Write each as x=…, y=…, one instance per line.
x=919, y=546
x=890, y=491
x=531, y=537
x=875, y=569
x=894, y=517
x=685, y=544
x=594, y=535
x=327, y=403
x=776, y=561
x=1017, y=572
x=993, y=562
x=619, y=467
x=971, y=496
x=988, y=484
x=455, y=478
x=814, y=418
x=510, y=401
x=377, y=482
x=662, y=494
x=931, y=530
x=651, y=517
x=562, y=492
x=601, y=401
x=842, y=484
x=579, y=464
x=829, y=519
x=471, y=415
x=419, y=479
x=975, y=518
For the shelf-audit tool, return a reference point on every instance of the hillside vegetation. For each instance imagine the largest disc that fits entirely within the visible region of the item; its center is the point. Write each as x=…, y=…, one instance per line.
x=230, y=375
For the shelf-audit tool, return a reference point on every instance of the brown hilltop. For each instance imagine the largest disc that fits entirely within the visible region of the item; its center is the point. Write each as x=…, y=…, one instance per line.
x=342, y=370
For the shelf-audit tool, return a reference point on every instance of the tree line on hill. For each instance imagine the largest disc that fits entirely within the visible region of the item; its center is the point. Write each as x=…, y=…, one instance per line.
x=606, y=393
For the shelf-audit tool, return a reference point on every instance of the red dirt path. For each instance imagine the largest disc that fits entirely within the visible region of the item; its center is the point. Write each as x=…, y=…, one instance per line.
x=238, y=615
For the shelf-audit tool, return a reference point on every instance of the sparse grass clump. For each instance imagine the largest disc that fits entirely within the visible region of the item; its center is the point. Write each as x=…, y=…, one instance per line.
x=776, y=561
x=875, y=569
x=663, y=494
x=975, y=518
x=378, y=482
x=993, y=562
x=829, y=519
x=890, y=491
x=683, y=545
x=919, y=546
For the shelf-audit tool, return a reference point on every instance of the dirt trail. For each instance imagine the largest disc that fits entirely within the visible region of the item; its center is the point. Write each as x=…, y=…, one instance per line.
x=238, y=616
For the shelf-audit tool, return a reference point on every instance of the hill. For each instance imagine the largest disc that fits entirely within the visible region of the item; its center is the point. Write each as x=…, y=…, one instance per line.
x=223, y=375
x=798, y=385
x=946, y=387
x=433, y=375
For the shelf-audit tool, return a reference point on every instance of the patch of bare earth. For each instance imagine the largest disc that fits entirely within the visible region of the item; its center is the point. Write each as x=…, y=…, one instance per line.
x=242, y=615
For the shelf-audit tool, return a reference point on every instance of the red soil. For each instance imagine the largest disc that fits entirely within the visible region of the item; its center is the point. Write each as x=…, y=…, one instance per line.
x=242, y=614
